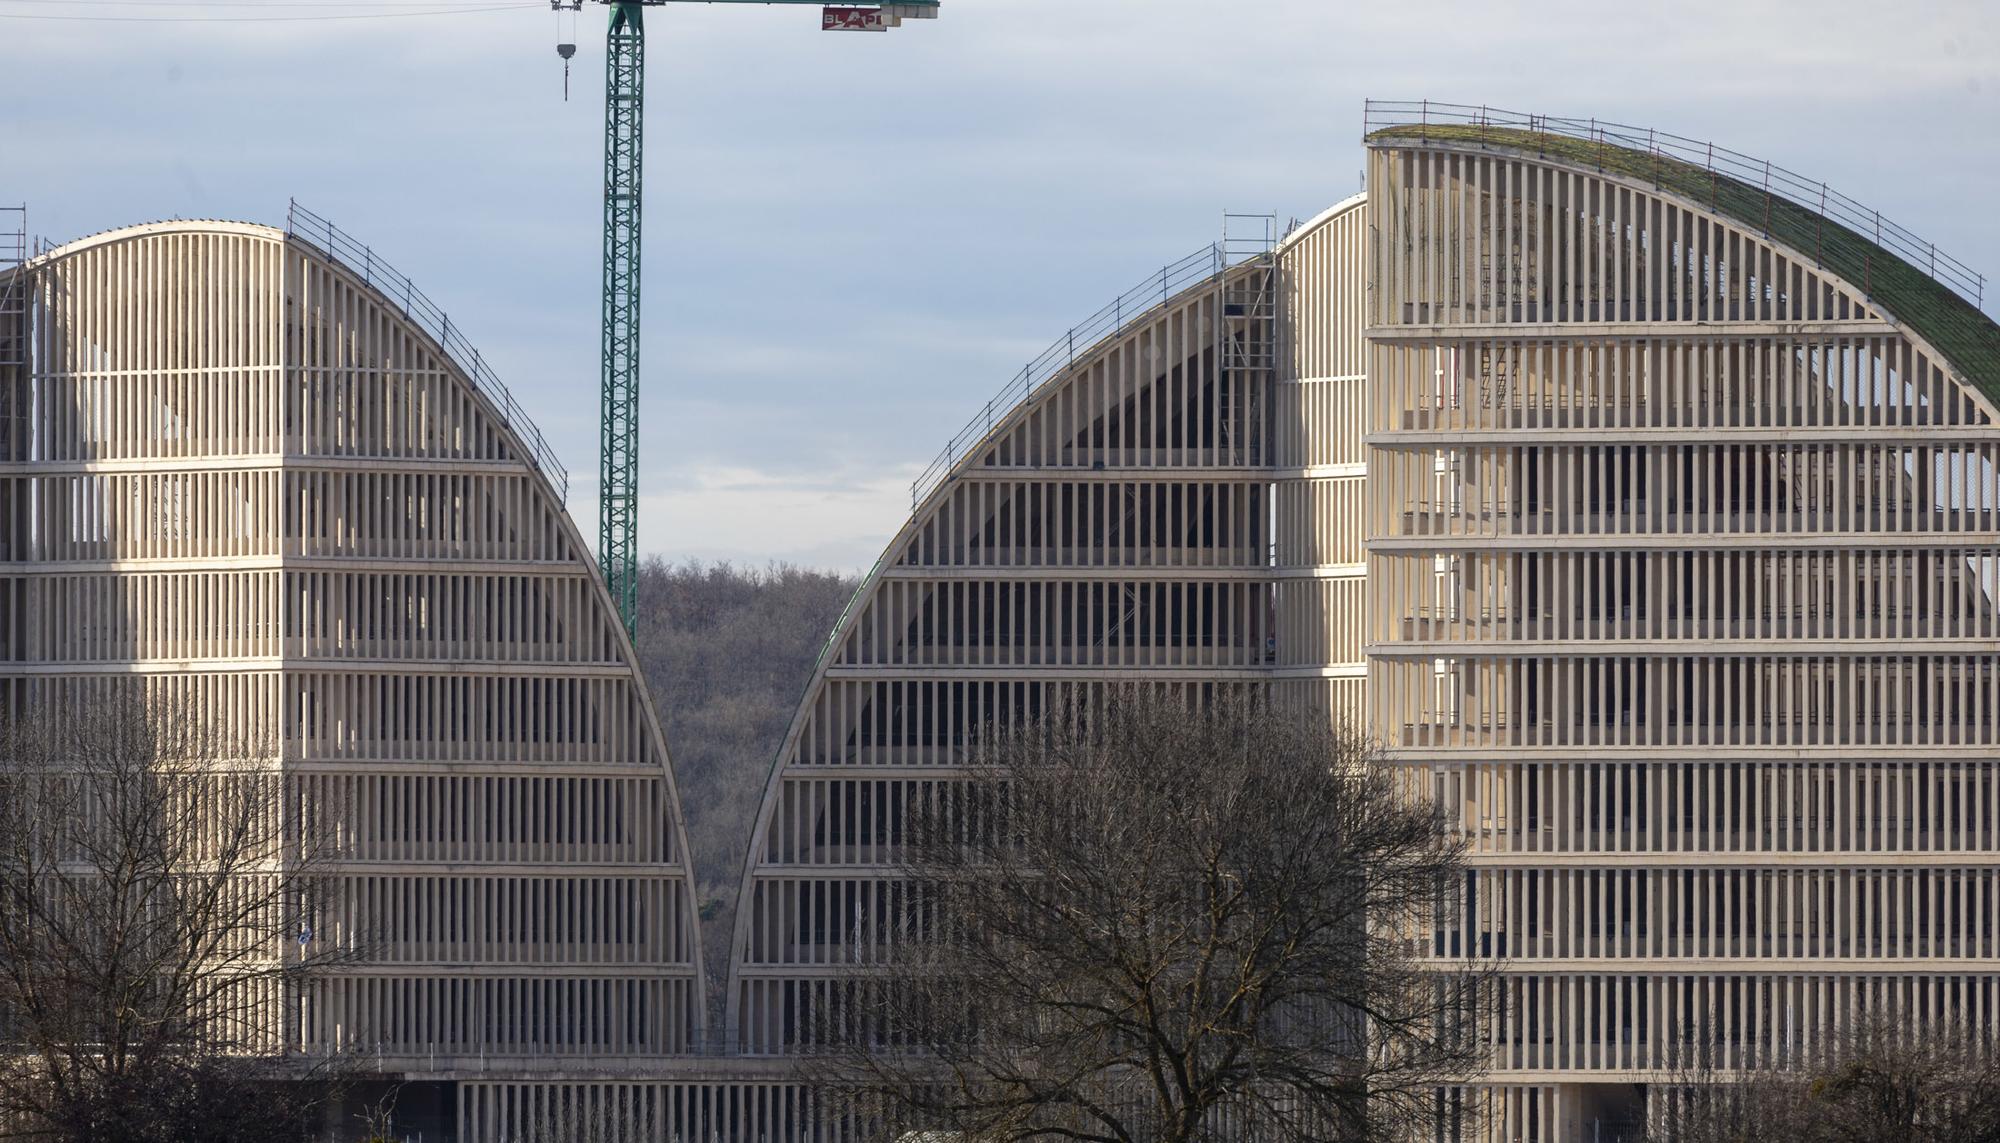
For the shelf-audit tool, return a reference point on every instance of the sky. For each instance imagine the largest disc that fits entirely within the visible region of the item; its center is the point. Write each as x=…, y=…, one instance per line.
x=852, y=241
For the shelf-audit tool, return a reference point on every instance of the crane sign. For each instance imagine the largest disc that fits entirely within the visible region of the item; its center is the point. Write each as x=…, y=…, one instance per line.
x=872, y=17
x=624, y=108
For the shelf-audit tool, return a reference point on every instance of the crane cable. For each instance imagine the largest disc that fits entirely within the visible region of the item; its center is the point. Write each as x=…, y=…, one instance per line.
x=250, y=19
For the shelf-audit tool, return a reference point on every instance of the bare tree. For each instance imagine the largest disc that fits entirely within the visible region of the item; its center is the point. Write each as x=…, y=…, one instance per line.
x=1706, y=1102
x=1878, y=1079
x=155, y=916
x=1146, y=922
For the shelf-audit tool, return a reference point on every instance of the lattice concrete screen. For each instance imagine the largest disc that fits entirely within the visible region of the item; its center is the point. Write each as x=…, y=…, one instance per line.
x=1651, y=525
x=235, y=473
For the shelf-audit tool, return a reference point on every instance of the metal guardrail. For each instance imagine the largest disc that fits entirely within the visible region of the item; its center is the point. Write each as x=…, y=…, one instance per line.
x=1122, y=311
x=1809, y=194
x=358, y=258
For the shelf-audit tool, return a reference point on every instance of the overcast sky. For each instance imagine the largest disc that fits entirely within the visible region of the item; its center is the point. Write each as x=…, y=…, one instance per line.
x=853, y=240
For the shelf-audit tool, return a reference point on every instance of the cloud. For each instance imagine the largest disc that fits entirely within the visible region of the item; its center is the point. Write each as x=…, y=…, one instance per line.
x=840, y=519
x=853, y=241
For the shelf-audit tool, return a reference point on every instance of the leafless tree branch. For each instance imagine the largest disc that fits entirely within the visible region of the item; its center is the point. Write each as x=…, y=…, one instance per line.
x=156, y=890
x=1145, y=921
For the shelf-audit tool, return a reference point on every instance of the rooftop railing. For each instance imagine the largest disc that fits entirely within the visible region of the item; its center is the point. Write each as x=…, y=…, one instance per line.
x=1122, y=311
x=1459, y=122
x=305, y=226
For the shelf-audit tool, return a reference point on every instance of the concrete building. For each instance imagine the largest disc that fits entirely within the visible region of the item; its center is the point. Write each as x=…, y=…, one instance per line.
x=1682, y=594
x=1639, y=496
x=256, y=471
x=1115, y=527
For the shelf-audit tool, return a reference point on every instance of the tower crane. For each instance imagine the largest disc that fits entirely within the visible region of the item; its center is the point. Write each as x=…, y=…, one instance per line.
x=624, y=134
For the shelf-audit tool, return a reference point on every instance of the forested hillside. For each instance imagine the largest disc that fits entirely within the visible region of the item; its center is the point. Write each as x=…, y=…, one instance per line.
x=726, y=652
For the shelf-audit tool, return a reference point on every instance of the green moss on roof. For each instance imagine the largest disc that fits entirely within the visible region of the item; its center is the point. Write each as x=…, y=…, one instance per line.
x=1968, y=339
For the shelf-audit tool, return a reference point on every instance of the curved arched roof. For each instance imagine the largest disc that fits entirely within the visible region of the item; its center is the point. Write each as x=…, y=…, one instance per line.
x=1967, y=338
x=396, y=291
x=996, y=449
x=144, y=229
x=367, y=304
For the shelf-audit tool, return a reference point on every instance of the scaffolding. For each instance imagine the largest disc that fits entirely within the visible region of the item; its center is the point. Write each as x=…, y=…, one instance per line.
x=1246, y=334
x=13, y=286
x=15, y=295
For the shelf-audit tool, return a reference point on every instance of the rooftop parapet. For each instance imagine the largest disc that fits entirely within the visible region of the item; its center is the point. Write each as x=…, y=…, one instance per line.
x=1936, y=295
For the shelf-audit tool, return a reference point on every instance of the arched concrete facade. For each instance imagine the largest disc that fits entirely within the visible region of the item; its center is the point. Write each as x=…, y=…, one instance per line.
x=1178, y=508
x=1659, y=550
x=1659, y=547
x=234, y=475
x=1681, y=579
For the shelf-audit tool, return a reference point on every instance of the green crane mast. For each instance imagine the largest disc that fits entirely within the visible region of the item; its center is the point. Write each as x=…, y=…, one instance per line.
x=624, y=136
x=618, y=473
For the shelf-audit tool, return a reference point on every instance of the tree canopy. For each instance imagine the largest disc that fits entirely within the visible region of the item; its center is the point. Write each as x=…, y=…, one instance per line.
x=1148, y=922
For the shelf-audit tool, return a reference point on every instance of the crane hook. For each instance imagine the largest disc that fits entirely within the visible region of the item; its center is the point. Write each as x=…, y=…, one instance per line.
x=566, y=35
